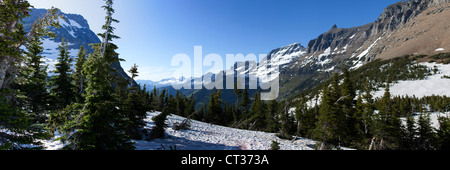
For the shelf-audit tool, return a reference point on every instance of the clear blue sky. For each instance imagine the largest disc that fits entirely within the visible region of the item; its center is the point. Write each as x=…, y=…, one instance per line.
x=152, y=31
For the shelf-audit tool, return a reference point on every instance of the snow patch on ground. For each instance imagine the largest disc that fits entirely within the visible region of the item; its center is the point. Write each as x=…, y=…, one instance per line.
x=433, y=85
x=439, y=49
x=434, y=118
x=204, y=136
x=54, y=143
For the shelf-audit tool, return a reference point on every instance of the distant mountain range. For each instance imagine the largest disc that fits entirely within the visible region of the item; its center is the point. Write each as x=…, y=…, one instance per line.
x=414, y=27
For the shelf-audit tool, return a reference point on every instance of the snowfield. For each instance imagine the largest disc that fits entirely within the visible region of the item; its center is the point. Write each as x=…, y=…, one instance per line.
x=434, y=118
x=433, y=85
x=205, y=136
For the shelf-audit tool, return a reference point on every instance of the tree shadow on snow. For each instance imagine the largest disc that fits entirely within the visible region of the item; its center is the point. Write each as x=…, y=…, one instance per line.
x=181, y=144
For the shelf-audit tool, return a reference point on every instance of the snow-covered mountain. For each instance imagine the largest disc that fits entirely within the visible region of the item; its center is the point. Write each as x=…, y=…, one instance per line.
x=280, y=57
x=74, y=29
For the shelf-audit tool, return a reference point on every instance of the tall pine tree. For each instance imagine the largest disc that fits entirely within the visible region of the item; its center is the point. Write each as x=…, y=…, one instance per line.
x=79, y=78
x=214, y=114
x=387, y=126
x=101, y=124
x=20, y=128
x=326, y=126
x=62, y=85
x=425, y=133
x=33, y=82
x=258, y=114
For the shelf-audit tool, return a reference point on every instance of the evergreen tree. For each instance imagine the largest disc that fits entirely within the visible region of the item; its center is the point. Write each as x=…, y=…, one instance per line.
x=387, y=128
x=13, y=117
x=134, y=73
x=100, y=124
x=153, y=98
x=32, y=82
x=190, y=108
x=180, y=104
x=63, y=89
x=272, y=118
x=359, y=126
x=245, y=102
x=306, y=119
x=171, y=104
x=443, y=134
x=326, y=126
x=369, y=108
x=275, y=146
x=288, y=126
x=79, y=78
x=160, y=125
x=409, y=141
x=380, y=123
x=21, y=129
x=347, y=104
x=258, y=114
x=12, y=36
x=425, y=133
x=214, y=114
x=161, y=100
x=135, y=109
x=237, y=110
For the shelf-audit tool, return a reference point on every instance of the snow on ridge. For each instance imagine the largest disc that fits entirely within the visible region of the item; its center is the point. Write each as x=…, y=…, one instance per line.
x=72, y=33
x=326, y=53
x=75, y=24
x=51, y=53
x=365, y=52
x=63, y=23
x=360, y=63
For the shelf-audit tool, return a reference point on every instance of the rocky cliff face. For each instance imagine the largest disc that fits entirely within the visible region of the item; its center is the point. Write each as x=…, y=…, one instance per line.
x=393, y=17
x=427, y=33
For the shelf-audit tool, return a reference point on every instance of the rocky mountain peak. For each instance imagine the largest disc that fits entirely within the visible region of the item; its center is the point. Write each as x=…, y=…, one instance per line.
x=396, y=15
x=438, y=2
x=74, y=29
